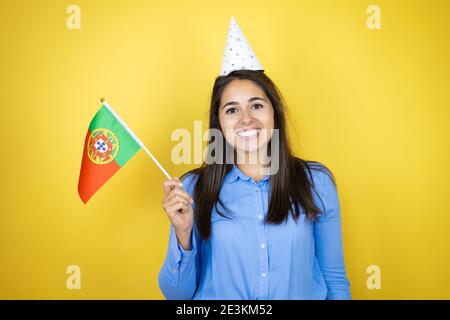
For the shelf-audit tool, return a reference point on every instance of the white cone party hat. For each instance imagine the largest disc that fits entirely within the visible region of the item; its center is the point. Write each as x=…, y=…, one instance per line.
x=238, y=52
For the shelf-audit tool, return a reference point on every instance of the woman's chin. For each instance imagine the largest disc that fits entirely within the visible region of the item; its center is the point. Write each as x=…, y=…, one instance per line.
x=248, y=148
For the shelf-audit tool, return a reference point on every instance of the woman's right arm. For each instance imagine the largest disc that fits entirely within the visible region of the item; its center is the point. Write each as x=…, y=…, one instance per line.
x=178, y=276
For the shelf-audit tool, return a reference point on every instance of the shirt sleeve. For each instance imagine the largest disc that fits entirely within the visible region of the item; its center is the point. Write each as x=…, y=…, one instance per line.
x=328, y=241
x=178, y=276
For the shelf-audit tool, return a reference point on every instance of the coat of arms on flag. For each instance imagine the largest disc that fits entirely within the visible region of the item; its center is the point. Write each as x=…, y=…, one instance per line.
x=103, y=146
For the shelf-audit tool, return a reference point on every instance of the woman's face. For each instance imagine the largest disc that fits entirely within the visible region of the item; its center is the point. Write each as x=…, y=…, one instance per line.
x=246, y=116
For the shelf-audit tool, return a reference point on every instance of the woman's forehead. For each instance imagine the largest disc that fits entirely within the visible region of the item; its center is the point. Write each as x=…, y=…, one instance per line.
x=242, y=90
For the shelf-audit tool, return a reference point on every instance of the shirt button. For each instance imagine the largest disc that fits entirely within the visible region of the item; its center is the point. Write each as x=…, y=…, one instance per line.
x=257, y=190
x=263, y=274
x=260, y=217
x=263, y=245
x=175, y=270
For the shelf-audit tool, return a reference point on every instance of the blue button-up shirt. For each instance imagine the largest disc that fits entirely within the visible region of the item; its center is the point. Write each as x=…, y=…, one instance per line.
x=245, y=258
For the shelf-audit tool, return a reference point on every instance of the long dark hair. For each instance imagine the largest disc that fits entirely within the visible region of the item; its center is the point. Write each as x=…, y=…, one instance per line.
x=290, y=186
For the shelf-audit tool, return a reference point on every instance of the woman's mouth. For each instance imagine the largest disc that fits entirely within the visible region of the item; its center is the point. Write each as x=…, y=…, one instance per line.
x=248, y=134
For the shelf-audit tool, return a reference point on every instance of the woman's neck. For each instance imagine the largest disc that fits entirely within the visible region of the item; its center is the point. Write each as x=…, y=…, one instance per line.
x=251, y=171
x=255, y=169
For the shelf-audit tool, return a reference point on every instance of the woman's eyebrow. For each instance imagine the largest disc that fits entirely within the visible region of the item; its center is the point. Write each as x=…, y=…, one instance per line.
x=249, y=100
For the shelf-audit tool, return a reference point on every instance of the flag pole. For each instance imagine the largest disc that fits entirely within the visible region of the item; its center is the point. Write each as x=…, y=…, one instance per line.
x=135, y=138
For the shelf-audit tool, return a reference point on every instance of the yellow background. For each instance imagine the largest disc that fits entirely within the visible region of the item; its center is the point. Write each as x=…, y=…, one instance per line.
x=373, y=105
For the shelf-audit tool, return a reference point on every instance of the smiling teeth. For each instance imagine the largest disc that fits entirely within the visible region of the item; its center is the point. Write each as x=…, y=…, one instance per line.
x=248, y=133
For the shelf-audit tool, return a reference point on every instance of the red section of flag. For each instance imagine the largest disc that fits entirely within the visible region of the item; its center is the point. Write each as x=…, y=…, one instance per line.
x=93, y=176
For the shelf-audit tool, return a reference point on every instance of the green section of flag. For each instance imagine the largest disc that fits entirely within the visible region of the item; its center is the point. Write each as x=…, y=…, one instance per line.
x=127, y=145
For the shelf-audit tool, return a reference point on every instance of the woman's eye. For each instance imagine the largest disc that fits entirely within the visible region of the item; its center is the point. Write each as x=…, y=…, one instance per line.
x=231, y=110
x=258, y=105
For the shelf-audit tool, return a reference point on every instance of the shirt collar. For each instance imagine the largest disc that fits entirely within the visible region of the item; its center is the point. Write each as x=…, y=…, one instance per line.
x=236, y=173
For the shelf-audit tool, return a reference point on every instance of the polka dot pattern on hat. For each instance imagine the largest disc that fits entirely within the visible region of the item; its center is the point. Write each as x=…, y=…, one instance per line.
x=238, y=53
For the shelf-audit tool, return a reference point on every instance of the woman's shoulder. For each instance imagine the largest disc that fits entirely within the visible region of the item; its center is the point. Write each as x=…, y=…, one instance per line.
x=317, y=173
x=324, y=185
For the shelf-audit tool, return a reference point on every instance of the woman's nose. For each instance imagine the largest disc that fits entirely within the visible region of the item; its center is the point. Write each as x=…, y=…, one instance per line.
x=246, y=117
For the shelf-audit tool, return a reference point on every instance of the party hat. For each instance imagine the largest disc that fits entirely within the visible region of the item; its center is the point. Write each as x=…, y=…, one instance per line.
x=238, y=52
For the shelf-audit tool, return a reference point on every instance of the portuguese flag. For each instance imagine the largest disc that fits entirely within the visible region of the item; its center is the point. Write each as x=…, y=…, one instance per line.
x=108, y=146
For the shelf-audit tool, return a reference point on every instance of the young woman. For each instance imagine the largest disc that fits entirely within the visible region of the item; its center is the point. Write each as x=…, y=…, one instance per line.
x=237, y=233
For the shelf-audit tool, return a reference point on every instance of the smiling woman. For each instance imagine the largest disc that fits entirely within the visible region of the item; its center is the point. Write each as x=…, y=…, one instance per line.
x=241, y=231
x=237, y=233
